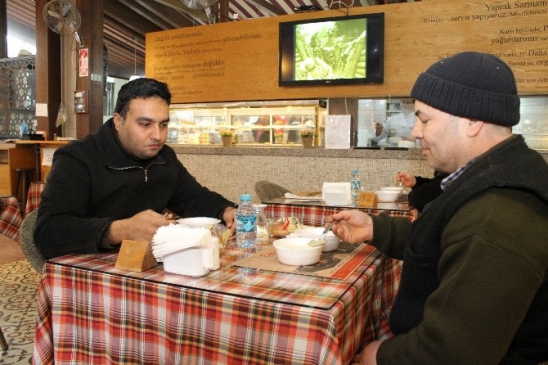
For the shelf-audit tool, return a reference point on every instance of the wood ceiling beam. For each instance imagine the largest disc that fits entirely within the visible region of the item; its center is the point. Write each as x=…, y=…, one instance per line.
x=267, y=6
x=174, y=18
x=115, y=24
x=130, y=20
x=146, y=14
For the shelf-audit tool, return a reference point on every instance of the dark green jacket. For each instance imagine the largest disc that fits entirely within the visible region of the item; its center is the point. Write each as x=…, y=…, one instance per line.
x=474, y=281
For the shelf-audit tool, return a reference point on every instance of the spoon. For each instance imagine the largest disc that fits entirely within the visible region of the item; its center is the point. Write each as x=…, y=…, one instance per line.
x=321, y=241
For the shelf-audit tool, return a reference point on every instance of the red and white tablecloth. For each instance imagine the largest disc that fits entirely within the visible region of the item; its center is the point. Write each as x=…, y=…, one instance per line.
x=315, y=215
x=10, y=218
x=90, y=312
x=34, y=195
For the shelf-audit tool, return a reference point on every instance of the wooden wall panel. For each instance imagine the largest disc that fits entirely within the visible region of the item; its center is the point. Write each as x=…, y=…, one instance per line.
x=238, y=61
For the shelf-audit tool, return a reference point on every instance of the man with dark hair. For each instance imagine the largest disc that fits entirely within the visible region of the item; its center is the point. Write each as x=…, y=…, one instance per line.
x=474, y=283
x=114, y=184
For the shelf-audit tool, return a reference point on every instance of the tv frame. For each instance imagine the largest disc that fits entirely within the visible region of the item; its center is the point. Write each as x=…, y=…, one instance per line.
x=374, y=73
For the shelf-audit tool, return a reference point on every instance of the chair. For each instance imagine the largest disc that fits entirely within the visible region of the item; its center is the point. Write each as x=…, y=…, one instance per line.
x=3, y=342
x=30, y=250
x=23, y=181
x=267, y=190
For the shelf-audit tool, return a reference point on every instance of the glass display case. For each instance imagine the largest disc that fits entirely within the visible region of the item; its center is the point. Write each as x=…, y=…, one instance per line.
x=533, y=123
x=252, y=123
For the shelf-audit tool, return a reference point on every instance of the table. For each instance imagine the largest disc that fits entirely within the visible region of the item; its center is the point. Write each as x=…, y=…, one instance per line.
x=10, y=218
x=34, y=196
x=314, y=212
x=90, y=312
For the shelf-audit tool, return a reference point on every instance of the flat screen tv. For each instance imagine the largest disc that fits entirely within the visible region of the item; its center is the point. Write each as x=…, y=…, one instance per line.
x=343, y=50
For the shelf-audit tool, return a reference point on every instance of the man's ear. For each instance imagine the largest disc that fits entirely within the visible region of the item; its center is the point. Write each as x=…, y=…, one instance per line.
x=474, y=127
x=117, y=119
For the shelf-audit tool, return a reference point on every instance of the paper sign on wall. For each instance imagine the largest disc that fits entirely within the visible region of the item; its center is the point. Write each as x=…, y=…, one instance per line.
x=47, y=156
x=337, y=132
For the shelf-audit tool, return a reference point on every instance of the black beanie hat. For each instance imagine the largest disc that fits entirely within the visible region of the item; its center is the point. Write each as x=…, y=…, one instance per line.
x=471, y=85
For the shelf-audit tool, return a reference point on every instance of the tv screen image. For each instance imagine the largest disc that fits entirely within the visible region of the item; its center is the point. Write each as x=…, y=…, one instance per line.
x=337, y=50
x=330, y=50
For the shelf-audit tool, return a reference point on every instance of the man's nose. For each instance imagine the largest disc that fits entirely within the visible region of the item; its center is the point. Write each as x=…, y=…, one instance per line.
x=155, y=132
x=417, y=129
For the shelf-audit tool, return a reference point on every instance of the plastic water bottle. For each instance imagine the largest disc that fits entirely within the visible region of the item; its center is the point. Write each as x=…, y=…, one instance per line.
x=355, y=186
x=246, y=223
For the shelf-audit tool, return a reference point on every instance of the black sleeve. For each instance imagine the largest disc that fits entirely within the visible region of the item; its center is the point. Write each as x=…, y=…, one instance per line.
x=426, y=191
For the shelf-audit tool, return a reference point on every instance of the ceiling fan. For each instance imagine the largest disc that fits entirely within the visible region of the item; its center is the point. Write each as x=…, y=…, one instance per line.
x=62, y=17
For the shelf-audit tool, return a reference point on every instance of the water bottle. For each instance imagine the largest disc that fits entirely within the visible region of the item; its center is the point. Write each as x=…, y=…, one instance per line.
x=355, y=186
x=246, y=223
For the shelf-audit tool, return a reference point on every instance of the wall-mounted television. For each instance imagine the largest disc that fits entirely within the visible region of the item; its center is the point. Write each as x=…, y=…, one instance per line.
x=342, y=50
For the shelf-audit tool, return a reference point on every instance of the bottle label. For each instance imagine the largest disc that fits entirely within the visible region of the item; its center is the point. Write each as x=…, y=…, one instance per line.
x=246, y=223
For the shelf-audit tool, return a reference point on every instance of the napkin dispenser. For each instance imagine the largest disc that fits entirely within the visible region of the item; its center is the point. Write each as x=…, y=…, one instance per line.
x=336, y=193
x=194, y=261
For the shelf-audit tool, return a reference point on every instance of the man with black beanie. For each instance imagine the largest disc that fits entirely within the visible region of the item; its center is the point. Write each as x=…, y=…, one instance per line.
x=474, y=287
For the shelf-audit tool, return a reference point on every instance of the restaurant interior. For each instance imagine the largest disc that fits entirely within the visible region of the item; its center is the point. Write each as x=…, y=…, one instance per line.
x=240, y=125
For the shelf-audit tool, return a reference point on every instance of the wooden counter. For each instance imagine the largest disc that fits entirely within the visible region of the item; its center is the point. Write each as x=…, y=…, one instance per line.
x=26, y=154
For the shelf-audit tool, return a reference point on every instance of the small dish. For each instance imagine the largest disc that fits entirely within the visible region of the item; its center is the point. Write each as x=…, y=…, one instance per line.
x=204, y=222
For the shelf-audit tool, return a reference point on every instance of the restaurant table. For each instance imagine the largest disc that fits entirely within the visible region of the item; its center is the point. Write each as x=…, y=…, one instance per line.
x=34, y=196
x=90, y=312
x=10, y=218
x=314, y=212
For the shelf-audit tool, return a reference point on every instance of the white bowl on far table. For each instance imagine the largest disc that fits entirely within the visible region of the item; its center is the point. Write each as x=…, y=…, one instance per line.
x=203, y=222
x=331, y=241
x=392, y=188
x=388, y=196
x=296, y=251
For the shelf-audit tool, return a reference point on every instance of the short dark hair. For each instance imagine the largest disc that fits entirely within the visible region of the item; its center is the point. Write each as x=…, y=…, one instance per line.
x=140, y=88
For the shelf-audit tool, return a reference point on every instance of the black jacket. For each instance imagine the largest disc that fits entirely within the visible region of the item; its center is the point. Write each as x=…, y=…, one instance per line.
x=94, y=181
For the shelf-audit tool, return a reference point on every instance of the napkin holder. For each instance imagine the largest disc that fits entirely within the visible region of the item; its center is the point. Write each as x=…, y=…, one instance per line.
x=135, y=256
x=194, y=261
x=336, y=193
x=368, y=199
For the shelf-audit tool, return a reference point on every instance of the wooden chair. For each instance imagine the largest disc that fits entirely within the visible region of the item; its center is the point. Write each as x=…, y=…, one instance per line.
x=267, y=190
x=30, y=250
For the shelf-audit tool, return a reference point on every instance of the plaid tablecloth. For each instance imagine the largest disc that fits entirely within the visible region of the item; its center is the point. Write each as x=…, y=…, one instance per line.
x=34, y=195
x=90, y=312
x=315, y=215
x=10, y=218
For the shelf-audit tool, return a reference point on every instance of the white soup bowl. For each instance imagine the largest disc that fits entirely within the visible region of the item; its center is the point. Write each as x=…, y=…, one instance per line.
x=331, y=241
x=296, y=251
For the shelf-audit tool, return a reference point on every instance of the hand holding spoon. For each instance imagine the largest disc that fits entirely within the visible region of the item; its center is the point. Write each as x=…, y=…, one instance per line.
x=321, y=241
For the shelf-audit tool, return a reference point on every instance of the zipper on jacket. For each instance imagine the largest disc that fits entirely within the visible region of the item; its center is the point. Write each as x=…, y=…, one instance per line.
x=145, y=170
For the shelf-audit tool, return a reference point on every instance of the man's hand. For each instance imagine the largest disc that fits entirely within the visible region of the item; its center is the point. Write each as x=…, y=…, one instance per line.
x=229, y=216
x=141, y=227
x=378, y=128
x=352, y=226
x=368, y=356
x=406, y=179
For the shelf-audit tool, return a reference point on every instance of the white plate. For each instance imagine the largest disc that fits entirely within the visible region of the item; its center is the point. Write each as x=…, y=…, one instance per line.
x=204, y=222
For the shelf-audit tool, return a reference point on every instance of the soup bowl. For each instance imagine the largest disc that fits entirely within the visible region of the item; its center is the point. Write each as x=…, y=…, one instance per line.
x=296, y=251
x=331, y=241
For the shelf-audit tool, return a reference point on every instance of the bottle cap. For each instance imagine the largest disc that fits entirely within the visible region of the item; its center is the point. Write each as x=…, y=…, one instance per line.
x=245, y=197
